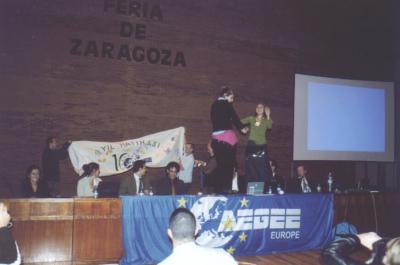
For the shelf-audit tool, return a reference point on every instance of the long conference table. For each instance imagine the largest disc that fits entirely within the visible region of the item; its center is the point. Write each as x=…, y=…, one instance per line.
x=89, y=231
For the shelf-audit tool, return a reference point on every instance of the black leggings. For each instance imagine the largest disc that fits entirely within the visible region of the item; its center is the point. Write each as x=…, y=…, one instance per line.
x=257, y=163
x=225, y=155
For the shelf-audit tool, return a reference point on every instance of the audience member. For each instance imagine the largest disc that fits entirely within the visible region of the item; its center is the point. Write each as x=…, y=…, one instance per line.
x=9, y=253
x=182, y=231
x=383, y=251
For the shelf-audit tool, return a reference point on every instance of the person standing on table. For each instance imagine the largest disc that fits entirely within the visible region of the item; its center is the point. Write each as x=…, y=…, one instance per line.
x=186, y=167
x=33, y=186
x=224, y=140
x=89, y=181
x=9, y=253
x=257, y=160
x=182, y=231
x=301, y=183
x=51, y=158
x=137, y=183
x=171, y=184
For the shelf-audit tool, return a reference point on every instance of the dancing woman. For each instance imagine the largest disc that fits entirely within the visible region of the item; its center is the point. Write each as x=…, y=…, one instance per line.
x=224, y=140
x=257, y=160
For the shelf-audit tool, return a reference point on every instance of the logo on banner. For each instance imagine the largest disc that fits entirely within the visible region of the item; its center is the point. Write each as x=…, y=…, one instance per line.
x=219, y=224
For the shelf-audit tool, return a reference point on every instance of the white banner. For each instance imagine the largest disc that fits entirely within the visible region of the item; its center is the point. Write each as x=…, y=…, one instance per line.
x=156, y=149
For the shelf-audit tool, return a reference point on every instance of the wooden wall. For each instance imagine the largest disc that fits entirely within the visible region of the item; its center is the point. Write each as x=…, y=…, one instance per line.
x=253, y=46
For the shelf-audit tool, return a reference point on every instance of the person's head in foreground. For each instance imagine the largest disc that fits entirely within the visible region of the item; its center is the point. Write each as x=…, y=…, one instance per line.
x=182, y=231
x=182, y=226
x=9, y=253
x=392, y=256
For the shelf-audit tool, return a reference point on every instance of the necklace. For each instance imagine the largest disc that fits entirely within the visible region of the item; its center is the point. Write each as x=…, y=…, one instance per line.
x=258, y=121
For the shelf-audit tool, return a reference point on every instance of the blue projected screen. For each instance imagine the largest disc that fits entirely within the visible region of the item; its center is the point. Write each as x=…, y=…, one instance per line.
x=342, y=119
x=345, y=118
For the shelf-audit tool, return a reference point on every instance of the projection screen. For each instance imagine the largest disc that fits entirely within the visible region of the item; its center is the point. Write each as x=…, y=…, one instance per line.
x=339, y=119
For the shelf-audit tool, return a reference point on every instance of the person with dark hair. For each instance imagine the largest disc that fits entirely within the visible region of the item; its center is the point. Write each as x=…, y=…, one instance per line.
x=182, y=231
x=33, y=186
x=383, y=250
x=136, y=184
x=171, y=184
x=257, y=160
x=9, y=253
x=51, y=158
x=224, y=140
x=89, y=181
x=275, y=181
x=301, y=183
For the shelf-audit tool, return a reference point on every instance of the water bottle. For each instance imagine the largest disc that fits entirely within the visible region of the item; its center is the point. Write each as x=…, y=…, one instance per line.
x=318, y=188
x=151, y=191
x=95, y=193
x=330, y=182
x=307, y=189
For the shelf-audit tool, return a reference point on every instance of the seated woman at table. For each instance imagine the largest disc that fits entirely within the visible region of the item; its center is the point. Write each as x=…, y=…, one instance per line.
x=89, y=180
x=32, y=185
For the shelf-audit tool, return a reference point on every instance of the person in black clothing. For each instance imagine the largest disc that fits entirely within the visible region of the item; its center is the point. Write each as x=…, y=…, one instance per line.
x=224, y=140
x=275, y=180
x=33, y=186
x=9, y=253
x=384, y=251
x=170, y=184
x=301, y=183
x=51, y=158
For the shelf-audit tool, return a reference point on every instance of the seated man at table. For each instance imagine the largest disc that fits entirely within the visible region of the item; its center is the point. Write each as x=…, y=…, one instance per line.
x=137, y=183
x=170, y=184
x=182, y=231
x=301, y=183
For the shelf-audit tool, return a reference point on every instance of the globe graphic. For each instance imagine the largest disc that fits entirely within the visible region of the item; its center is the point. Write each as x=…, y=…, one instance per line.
x=208, y=212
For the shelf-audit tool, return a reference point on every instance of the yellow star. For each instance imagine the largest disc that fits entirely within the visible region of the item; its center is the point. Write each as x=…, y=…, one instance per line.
x=182, y=202
x=244, y=202
x=243, y=237
x=231, y=250
x=228, y=224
